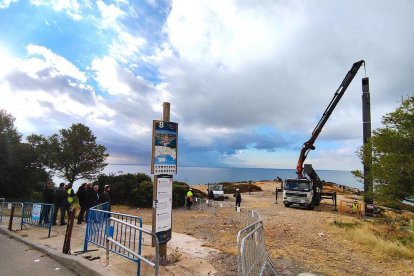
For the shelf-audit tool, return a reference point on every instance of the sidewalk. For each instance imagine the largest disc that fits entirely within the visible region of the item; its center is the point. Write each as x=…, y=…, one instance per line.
x=192, y=256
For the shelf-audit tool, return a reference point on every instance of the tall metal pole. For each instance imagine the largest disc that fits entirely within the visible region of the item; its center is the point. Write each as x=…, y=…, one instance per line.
x=163, y=247
x=367, y=154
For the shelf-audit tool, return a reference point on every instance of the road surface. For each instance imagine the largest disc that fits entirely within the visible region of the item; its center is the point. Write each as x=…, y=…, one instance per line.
x=17, y=258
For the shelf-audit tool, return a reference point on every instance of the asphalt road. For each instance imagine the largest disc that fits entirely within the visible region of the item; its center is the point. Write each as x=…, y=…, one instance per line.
x=17, y=258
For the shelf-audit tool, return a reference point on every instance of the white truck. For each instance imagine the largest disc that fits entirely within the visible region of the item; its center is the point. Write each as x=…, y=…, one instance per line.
x=217, y=189
x=304, y=192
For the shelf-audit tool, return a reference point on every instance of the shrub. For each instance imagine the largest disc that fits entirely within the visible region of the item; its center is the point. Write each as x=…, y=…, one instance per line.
x=230, y=188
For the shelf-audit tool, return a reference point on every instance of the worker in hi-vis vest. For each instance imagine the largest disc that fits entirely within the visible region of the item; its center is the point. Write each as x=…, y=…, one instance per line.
x=189, y=198
x=71, y=194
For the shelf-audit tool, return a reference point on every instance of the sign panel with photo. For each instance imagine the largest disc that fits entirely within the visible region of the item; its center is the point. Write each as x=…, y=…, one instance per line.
x=164, y=148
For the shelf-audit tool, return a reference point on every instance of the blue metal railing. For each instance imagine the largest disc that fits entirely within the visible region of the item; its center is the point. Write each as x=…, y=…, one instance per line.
x=35, y=214
x=38, y=214
x=98, y=228
x=5, y=213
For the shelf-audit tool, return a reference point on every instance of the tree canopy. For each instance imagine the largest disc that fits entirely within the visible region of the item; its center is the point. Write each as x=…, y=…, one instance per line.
x=19, y=173
x=392, y=147
x=71, y=154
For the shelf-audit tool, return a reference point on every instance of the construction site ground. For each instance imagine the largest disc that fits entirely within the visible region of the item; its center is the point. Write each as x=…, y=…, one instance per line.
x=204, y=242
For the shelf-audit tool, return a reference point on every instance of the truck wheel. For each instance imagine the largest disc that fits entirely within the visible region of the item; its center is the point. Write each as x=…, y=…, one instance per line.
x=287, y=205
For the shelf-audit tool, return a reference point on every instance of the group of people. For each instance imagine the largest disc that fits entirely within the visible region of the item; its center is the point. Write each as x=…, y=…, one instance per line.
x=62, y=199
x=210, y=196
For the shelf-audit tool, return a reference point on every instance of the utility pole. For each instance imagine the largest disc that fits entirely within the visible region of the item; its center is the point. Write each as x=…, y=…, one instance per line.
x=163, y=166
x=367, y=154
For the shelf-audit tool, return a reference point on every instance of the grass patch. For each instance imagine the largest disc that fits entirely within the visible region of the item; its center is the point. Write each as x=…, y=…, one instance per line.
x=346, y=225
x=381, y=246
x=391, y=236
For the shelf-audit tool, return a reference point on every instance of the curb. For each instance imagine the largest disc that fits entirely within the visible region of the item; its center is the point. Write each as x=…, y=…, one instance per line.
x=77, y=265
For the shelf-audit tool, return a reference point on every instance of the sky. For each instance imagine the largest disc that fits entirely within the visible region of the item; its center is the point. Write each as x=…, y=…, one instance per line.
x=247, y=80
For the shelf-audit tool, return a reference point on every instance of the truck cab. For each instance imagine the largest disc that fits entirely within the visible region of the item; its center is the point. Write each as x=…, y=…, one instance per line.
x=303, y=191
x=298, y=192
x=218, y=190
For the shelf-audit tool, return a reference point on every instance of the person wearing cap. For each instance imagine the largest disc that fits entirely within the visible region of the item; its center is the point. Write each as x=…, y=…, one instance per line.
x=237, y=195
x=189, y=198
x=106, y=196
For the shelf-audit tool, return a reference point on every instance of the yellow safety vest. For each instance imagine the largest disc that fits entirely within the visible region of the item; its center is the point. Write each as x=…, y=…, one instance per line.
x=70, y=199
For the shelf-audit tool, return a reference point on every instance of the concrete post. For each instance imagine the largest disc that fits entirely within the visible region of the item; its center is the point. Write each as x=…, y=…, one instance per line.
x=366, y=121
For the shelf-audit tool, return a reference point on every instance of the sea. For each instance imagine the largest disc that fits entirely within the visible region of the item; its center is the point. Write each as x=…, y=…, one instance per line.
x=204, y=175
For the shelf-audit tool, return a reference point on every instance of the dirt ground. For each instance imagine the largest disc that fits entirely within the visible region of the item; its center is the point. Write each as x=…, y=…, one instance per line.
x=204, y=240
x=297, y=240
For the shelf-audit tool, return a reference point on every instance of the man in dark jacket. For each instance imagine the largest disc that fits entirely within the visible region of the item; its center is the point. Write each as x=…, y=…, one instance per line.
x=47, y=192
x=59, y=200
x=90, y=198
x=106, y=196
x=237, y=195
x=81, y=197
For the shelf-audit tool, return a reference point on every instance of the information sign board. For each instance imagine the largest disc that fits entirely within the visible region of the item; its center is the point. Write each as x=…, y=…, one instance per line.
x=164, y=148
x=163, y=208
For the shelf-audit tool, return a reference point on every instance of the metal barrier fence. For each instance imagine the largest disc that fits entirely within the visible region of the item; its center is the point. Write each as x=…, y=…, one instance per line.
x=201, y=204
x=252, y=254
x=38, y=214
x=98, y=228
x=35, y=214
x=109, y=240
x=1, y=202
x=6, y=209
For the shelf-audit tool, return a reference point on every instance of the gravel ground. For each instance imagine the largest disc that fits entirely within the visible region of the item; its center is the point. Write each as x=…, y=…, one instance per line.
x=297, y=240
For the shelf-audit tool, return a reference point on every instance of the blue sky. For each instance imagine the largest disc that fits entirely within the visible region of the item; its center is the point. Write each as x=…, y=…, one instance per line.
x=247, y=80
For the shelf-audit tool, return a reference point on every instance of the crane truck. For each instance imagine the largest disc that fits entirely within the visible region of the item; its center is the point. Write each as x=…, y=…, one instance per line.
x=307, y=189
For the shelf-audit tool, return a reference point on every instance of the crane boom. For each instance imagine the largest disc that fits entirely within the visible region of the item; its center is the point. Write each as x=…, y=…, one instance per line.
x=308, y=145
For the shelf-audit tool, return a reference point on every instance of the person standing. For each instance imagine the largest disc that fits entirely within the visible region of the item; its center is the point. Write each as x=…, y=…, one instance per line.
x=210, y=196
x=90, y=199
x=98, y=194
x=106, y=196
x=237, y=195
x=81, y=197
x=47, y=192
x=60, y=201
x=189, y=198
x=71, y=194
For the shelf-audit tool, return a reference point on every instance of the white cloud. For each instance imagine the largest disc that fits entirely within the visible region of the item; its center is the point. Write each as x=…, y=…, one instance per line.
x=59, y=65
x=109, y=15
x=229, y=33
x=4, y=4
x=126, y=47
x=107, y=75
x=71, y=7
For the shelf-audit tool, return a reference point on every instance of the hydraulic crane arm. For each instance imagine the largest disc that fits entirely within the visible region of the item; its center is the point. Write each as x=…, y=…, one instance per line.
x=308, y=145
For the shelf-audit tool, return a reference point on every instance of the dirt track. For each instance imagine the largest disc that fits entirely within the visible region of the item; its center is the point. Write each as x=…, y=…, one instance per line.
x=297, y=240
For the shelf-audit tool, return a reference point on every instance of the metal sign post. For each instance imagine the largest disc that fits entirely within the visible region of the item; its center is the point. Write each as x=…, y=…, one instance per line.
x=163, y=166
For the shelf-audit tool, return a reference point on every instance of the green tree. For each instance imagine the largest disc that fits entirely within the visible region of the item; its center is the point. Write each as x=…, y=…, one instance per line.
x=19, y=173
x=392, y=147
x=72, y=154
x=136, y=189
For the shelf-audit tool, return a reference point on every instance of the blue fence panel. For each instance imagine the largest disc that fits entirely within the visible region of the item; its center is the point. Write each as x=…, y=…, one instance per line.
x=98, y=228
x=38, y=214
x=5, y=212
